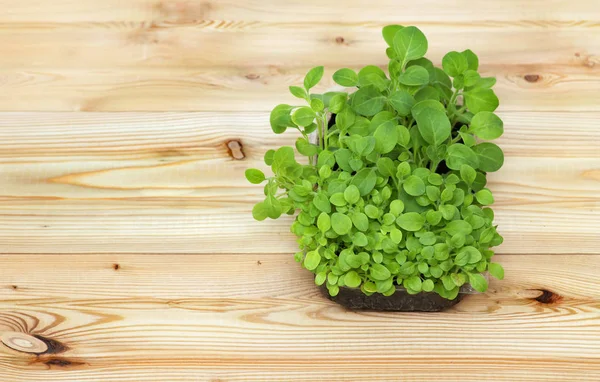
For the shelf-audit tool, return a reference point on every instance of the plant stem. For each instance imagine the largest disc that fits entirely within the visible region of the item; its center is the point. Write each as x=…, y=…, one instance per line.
x=320, y=132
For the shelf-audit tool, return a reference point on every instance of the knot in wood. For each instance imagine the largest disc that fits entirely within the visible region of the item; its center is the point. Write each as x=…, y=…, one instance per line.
x=23, y=342
x=236, y=149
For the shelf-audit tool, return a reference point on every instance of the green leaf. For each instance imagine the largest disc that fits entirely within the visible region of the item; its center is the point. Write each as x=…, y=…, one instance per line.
x=372, y=211
x=368, y=101
x=448, y=211
x=458, y=240
x=324, y=222
x=462, y=258
x=389, y=32
x=413, y=283
x=435, y=179
x=458, y=82
x=333, y=290
x=280, y=118
x=312, y=127
x=259, y=211
x=273, y=207
x=425, y=105
x=433, y=125
x=341, y=223
x=427, y=285
x=427, y=93
x=322, y=203
x=414, y=76
x=386, y=137
x=254, y=176
x=496, y=270
x=337, y=103
x=428, y=238
x=386, y=166
x=403, y=170
x=313, y=77
x=269, y=157
x=372, y=75
x=471, y=77
x=472, y=60
x=379, y=272
x=468, y=139
x=490, y=156
x=433, y=193
x=298, y=92
x=474, y=254
x=317, y=105
x=360, y=240
x=396, y=235
x=351, y=194
x=468, y=174
x=478, y=100
x=440, y=80
x=346, y=77
x=458, y=279
x=409, y=44
x=484, y=83
x=342, y=157
x=454, y=64
x=312, y=260
x=448, y=282
x=411, y=221
x=414, y=186
x=433, y=217
x=303, y=116
x=402, y=102
x=320, y=278
x=396, y=207
x=338, y=199
x=352, y=279
x=360, y=221
x=326, y=158
x=459, y=154
x=365, y=180
x=403, y=140
x=382, y=118
x=486, y=125
x=306, y=148
x=345, y=119
x=478, y=282
x=356, y=164
x=458, y=227
x=484, y=197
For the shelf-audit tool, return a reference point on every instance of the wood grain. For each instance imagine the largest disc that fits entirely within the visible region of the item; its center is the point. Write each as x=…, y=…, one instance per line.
x=138, y=321
x=156, y=67
x=87, y=183
x=126, y=241
x=67, y=11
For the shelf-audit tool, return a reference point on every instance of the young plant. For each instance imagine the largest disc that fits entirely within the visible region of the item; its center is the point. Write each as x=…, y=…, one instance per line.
x=393, y=193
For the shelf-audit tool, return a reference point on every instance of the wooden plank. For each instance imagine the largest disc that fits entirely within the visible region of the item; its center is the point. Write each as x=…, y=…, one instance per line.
x=249, y=66
x=294, y=11
x=171, y=317
x=36, y=136
x=555, y=88
x=167, y=183
x=253, y=276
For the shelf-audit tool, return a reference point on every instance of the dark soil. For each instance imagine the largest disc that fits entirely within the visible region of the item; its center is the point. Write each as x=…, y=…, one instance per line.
x=400, y=301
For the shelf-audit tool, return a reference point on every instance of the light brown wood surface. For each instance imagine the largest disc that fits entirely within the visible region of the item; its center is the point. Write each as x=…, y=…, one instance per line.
x=126, y=240
x=268, y=322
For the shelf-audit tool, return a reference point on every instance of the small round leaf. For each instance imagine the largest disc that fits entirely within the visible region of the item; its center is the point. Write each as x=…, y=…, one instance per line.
x=254, y=176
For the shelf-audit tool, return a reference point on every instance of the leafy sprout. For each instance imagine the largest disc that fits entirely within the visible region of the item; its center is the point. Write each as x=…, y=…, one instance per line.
x=392, y=194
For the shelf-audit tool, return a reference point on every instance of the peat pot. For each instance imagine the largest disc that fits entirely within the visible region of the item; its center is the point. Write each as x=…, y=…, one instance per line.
x=400, y=301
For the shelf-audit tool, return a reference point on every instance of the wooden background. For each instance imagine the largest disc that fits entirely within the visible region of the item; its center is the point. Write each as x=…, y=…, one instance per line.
x=125, y=228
